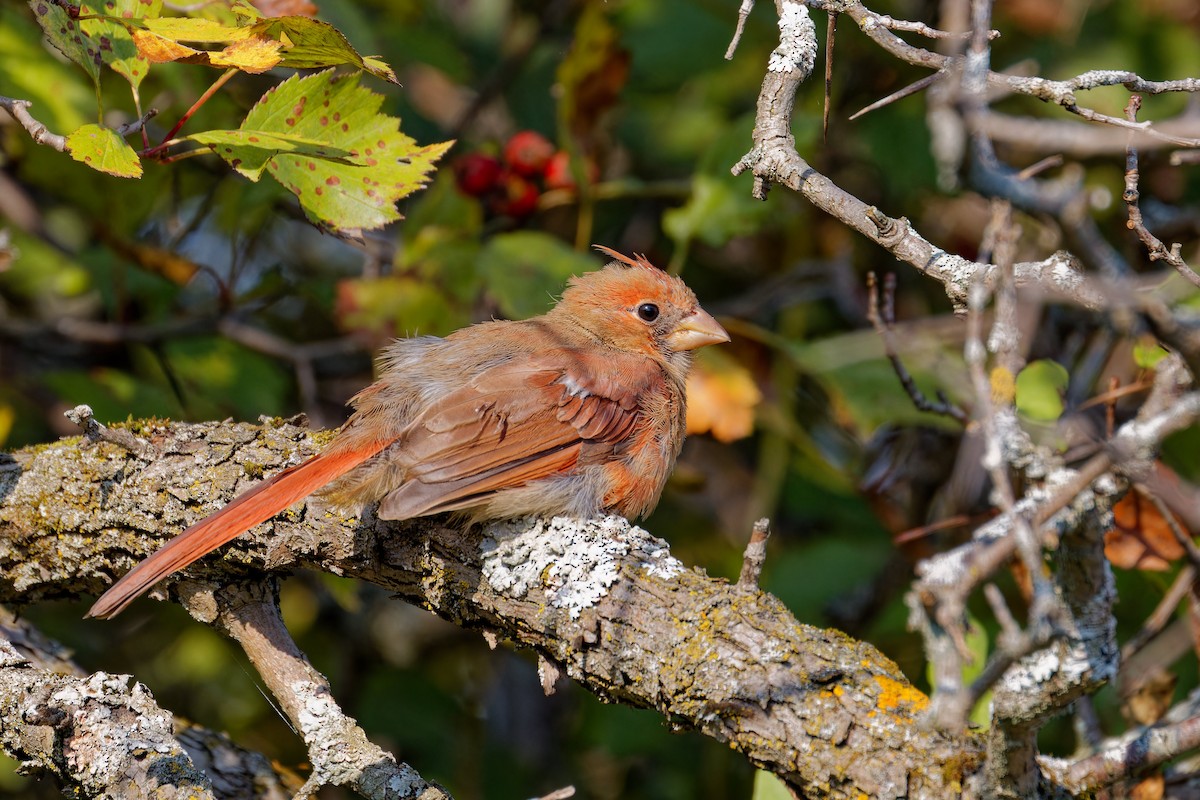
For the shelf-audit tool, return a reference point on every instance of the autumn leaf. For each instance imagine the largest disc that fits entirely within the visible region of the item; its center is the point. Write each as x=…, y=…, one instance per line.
x=722, y=396
x=1140, y=537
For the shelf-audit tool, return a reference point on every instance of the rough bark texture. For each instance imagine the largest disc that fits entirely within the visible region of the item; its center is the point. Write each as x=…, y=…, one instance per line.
x=602, y=599
x=92, y=731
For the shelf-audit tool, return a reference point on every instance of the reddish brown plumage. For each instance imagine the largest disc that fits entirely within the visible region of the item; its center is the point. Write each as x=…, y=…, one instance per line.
x=579, y=411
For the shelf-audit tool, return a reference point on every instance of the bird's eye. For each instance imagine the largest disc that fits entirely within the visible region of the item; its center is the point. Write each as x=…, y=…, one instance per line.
x=647, y=312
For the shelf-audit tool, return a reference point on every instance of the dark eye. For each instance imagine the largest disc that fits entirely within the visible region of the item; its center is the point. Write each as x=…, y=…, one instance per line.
x=648, y=312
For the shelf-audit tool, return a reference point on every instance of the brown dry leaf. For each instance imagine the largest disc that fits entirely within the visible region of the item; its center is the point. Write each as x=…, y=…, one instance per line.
x=721, y=397
x=1140, y=538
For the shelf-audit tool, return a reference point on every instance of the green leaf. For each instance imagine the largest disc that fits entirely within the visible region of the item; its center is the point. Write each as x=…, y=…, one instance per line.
x=311, y=44
x=117, y=48
x=104, y=150
x=1147, y=353
x=1039, y=390
x=68, y=36
x=396, y=305
x=525, y=271
x=249, y=151
x=302, y=43
x=28, y=70
x=384, y=164
x=768, y=787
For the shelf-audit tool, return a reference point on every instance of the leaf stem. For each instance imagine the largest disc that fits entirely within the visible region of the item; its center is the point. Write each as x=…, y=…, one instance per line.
x=217, y=84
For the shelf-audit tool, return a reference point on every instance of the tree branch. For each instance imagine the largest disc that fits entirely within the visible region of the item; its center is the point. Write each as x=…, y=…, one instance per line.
x=602, y=600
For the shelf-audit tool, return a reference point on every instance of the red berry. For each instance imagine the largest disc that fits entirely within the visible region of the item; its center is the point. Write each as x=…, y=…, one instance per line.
x=476, y=174
x=527, y=152
x=517, y=197
x=557, y=174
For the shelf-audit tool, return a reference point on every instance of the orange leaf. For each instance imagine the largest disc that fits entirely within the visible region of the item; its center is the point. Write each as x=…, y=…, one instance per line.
x=1140, y=537
x=721, y=396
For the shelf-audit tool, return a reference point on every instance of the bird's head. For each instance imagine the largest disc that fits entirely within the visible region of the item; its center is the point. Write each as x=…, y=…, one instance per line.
x=634, y=306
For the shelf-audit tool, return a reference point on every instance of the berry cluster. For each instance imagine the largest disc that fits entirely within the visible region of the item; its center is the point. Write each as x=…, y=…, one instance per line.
x=511, y=184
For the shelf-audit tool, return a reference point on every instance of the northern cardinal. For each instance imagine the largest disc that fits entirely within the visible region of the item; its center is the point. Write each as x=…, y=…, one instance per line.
x=576, y=412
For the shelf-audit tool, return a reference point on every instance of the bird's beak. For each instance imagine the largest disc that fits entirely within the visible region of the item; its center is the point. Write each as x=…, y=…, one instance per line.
x=697, y=329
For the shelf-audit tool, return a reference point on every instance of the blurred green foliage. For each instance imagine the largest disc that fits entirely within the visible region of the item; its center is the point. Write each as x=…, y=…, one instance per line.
x=121, y=292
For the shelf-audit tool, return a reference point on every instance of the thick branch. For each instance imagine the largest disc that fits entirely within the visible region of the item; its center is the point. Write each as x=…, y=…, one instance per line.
x=603, y=600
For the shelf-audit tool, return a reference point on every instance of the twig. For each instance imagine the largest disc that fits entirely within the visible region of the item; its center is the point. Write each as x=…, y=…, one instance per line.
x=39, y=132
x=743, y=12
x=755, y=555
x=1162, y=613
x=883, y=326
x=911, y=89
x=338, y=748
x=82, y=416
x=1154, y=246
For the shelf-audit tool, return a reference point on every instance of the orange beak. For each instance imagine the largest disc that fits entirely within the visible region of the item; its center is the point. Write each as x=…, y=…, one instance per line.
x=697, y=329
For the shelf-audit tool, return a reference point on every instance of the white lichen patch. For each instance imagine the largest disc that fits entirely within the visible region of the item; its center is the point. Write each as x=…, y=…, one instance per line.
x=797, y=41
x=574, y=562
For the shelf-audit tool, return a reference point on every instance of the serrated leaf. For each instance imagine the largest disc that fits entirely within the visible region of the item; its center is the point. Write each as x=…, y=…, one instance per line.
x=1039, y=390
x=386, y=165
x=68, y=36
x=117, y=47
x=311, y=44
x=104, y=150
x=248, y=151
x=92, y=42
x=301, y=43
x=252, y=55
x=159, y=49
x=201, y=31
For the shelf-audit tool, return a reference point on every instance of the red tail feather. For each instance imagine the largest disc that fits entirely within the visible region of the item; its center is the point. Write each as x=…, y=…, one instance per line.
x=247, y=510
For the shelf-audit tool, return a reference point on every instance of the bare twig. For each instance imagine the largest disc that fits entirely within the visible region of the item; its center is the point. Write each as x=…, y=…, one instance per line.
x=95, y=431
x=743, y=12
x=40, y=133
x=1154, y=246
x=883, y=326
x=338, y=748
x=755, y=555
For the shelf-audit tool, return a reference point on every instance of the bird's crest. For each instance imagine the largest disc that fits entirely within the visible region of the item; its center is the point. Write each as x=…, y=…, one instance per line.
x=637, y=260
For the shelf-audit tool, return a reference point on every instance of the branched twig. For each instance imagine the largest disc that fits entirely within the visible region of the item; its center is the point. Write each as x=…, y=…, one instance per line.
x=338, y=748
x=1154, y=246
x=95, y=431
x=883, y=326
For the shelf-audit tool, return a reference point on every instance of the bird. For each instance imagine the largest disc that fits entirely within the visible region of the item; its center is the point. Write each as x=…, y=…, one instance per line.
x=577, y=412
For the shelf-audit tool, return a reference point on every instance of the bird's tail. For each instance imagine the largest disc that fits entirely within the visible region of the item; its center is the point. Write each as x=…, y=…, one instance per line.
x=247, y=510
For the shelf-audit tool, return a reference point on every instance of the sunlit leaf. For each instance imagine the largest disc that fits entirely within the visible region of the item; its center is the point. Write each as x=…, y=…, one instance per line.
x=249, y=151
x=1141, y=537
x=384, y=164
x=1039, y=389
x=721, y=397
x=103, y=149
x=1147, y=352
x=68, y=36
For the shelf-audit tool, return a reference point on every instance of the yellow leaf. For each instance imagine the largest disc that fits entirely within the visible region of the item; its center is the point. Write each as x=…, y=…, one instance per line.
x=249, y=55
x=721, y=396
x=159, y=50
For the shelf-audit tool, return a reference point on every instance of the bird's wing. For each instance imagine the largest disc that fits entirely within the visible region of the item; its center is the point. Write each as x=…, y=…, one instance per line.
x=513, y=424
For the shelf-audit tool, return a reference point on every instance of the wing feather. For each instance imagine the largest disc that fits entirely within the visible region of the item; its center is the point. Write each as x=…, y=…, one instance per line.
x=513, y=424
